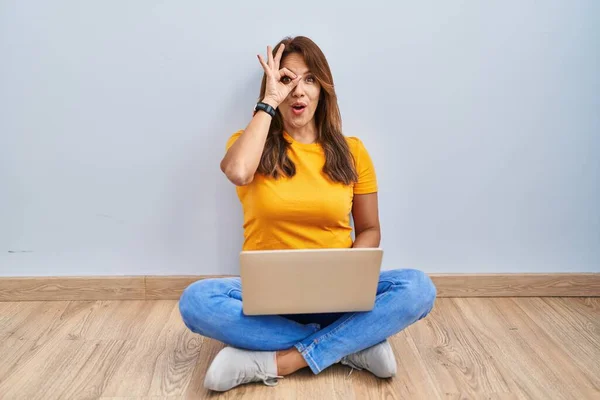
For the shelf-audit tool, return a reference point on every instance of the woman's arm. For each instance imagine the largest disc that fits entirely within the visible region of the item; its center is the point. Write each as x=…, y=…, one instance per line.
x=365, y=212
x=242, y=159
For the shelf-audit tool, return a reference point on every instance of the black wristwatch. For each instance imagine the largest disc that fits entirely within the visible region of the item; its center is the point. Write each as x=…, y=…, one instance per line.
x=260, y=106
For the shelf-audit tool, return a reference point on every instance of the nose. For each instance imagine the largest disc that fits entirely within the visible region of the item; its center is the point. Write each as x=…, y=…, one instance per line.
x=298, y=91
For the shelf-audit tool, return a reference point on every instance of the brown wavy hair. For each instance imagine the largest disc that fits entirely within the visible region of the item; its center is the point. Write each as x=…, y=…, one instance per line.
x=339, y=163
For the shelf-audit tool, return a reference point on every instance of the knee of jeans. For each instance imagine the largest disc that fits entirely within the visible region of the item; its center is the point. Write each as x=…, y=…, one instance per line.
x=425, y=293
x=420, y=291
x=193, y=302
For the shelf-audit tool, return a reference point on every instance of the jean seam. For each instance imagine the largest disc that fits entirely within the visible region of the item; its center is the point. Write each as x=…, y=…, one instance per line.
x=343, y=324
x=340, y=326
x=311, y=347
x=311, y=361
x=320, y=340
x=308, y=358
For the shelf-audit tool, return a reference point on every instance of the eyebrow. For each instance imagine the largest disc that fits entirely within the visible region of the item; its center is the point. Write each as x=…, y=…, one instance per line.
x=305, y=73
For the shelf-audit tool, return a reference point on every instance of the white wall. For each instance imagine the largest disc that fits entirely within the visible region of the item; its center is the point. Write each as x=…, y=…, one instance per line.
x=482, y=119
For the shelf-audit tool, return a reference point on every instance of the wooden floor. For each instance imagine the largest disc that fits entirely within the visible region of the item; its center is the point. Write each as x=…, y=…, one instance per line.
x=467, y=348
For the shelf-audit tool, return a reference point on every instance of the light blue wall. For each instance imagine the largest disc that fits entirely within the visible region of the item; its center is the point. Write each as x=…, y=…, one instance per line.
x=483, y=119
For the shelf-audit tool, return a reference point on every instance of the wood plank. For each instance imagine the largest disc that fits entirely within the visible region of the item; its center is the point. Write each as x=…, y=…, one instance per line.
x=115, y=320
x=43, y=331
x=62, y=323
x=72, y=288
x=15, y=315
x=171, y=287
x=514, y=285
x=304, y=384
x=175, y=364
x=453, y=355
x=528, y=361
x=580, y=346
x=58, y=325
x=486, y=396
x=41, y=377
x=93, y=367
x=135, y=373
x=143, y=398
x=413, y=380
x=343, y=383
x=448, y=285
x=53, y=357
x=547, y=349
x=521, y=374
x=12, y=351
x=429, y=335
x=585, y=313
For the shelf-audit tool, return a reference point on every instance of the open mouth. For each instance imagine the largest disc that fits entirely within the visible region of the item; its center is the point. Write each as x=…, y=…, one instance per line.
x=297, y=109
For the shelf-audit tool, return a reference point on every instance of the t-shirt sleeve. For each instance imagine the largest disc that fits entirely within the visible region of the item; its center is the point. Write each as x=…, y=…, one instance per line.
x=367, y=179
x=232, y=139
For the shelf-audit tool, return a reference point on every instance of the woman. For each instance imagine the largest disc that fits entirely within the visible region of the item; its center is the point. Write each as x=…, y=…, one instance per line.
x=298, y=179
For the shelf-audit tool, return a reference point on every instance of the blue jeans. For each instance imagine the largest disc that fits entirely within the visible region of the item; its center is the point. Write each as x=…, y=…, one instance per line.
x=213, y=308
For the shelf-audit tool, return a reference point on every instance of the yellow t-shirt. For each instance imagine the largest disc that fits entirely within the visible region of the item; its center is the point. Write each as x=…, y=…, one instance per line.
x=305, y=211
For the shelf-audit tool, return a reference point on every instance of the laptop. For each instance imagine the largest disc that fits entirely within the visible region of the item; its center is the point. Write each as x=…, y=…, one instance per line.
x=309, y=280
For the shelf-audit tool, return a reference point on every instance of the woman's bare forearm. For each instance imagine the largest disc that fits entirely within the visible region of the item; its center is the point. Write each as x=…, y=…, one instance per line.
x=368, y=238
x=241, y=160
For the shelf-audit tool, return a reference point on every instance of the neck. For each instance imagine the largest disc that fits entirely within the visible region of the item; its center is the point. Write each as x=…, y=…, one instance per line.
x=304, y=134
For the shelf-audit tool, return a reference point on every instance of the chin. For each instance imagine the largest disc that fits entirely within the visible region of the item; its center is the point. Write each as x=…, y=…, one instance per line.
x=298, y=124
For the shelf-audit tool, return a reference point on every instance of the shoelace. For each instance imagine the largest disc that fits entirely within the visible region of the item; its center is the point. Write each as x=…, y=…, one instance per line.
x=270, y=380
x=352, y=367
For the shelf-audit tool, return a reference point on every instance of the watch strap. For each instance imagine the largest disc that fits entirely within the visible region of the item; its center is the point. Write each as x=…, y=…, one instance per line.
x=260, y=106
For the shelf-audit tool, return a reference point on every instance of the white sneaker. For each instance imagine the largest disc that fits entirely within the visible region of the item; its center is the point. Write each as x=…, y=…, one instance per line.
x=378, y=359
x=233, y=367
